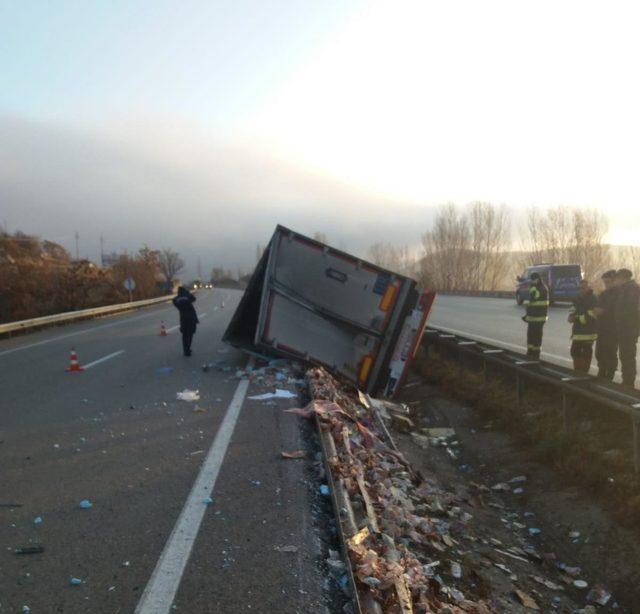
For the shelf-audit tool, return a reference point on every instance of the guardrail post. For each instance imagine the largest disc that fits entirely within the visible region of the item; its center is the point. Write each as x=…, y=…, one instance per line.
x=636, y=452
x=565, y=410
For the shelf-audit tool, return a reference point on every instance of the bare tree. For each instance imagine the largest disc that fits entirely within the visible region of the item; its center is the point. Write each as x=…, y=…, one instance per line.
x=490, y=231
x=170, y=264
x=446, y=250
x=568, y=235
x=388, y=256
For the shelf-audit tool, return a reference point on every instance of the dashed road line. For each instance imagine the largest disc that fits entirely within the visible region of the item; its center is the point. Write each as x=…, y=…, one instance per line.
x=103, y=359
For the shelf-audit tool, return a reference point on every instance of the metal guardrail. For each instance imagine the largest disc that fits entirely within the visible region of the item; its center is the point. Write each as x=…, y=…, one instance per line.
x=83, y=314
x=484, y=293
x=567, y=382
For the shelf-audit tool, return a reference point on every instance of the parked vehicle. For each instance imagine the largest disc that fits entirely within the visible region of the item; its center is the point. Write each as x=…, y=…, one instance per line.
x=311, y=302
x=561, y=279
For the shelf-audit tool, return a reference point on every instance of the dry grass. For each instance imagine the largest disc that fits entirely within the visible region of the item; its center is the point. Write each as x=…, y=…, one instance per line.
x=596, y=452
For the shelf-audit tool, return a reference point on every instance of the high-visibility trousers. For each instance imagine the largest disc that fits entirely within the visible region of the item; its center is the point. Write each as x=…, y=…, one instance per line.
x=582, y=353
x=534, y=338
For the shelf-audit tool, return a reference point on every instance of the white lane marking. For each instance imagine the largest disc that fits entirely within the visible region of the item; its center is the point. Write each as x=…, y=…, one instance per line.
x=79, y=332
x=200, y=315
x=103, y=359
x=163, y=585
x=504, y=344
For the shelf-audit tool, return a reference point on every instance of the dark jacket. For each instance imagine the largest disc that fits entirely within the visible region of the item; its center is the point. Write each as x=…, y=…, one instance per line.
x=607, y=319
x=627, y=305
x=188, y=316
x=584, y=319
x=538, y=304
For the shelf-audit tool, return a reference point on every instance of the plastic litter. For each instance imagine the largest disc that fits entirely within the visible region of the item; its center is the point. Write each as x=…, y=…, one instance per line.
x=207, y=500
x=164, y=370
x=85, y=504
x=26, y=609
x=598, y=595
x=199, y=410
x=37, y=520
x=580, y=584
x=534, y=531
x=518, y=479
x=76, y=581
x=278, y=394
x=188, y=395
x=456, y=570
x=324, y=490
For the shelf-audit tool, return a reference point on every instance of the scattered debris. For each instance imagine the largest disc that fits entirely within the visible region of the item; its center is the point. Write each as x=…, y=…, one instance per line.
x=294, y=454
x=164, y=370
x=199, y=410
x=37, y=520
x=29, y=550
x=324, y=490
x=278, y=394
x=188, y=395
x=85, y=504
x=526, y=600
x=207, y=501
x=11, y=504
x=76, y=581
x=598, y=595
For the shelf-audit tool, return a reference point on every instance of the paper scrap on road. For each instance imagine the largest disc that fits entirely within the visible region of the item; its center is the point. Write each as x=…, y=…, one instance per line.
x=294, y=454
x=188, y=395
x=278, y=394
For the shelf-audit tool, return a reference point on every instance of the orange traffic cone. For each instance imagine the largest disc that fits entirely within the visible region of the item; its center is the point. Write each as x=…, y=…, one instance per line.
x=163, y=330
x=75, y=365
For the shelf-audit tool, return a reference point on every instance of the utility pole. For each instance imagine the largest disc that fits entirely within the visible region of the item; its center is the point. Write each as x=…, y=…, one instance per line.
x=101, y=251
x=199, y=269
x=77, y=249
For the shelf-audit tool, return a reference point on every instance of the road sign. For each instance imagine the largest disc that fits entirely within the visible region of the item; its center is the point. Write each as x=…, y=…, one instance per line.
x=129, y=284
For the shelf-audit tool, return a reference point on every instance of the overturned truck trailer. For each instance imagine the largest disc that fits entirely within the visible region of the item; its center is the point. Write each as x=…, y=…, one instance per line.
x=308, y=301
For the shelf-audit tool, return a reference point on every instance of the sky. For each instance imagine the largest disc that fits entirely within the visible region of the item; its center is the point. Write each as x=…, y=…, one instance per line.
x=200, y=125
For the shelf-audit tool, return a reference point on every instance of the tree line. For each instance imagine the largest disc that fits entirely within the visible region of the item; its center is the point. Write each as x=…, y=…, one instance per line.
x=475, y=247
x=39, y=277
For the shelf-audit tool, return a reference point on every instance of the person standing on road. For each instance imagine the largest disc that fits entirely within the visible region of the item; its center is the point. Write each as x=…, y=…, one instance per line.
x=188, y=317
x=536, y=315
x=607, y=341
x=627, y=324
x=584, y=332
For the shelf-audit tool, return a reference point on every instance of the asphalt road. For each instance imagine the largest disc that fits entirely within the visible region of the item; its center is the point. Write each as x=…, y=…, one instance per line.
x=498, y=321
x=116, y=435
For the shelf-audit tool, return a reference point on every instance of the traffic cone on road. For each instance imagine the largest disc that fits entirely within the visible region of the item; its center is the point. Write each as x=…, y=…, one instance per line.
x=75, y=365
x=163, y=330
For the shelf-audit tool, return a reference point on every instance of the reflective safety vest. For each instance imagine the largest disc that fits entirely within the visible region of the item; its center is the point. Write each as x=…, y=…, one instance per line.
x=538, y=304
x=585, y=327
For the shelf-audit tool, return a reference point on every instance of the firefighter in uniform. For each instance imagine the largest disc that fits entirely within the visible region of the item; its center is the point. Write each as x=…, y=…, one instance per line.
x=627, y=320
x=536, y=315
x=607, y=341
x=584, y=332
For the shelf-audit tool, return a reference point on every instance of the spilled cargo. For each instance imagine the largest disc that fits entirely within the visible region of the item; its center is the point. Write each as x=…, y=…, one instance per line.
x=308, y=301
